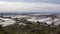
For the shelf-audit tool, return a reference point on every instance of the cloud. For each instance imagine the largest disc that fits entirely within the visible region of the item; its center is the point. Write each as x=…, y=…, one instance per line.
x=38, y=1
x=27, y=6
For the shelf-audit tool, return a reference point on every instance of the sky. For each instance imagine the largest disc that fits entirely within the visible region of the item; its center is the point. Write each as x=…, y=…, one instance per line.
x=29, y=5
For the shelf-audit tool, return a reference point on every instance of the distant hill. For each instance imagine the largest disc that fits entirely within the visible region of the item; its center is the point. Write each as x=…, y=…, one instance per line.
x=25, y=13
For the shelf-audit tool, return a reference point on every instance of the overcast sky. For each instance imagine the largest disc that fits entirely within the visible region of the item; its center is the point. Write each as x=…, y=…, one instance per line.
x=30, y=5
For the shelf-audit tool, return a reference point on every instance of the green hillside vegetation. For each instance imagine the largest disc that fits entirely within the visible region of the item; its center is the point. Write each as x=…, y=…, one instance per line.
x=29, y=29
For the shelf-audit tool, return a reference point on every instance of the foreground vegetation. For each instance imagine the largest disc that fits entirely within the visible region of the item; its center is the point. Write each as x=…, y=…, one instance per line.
x=29, y=29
